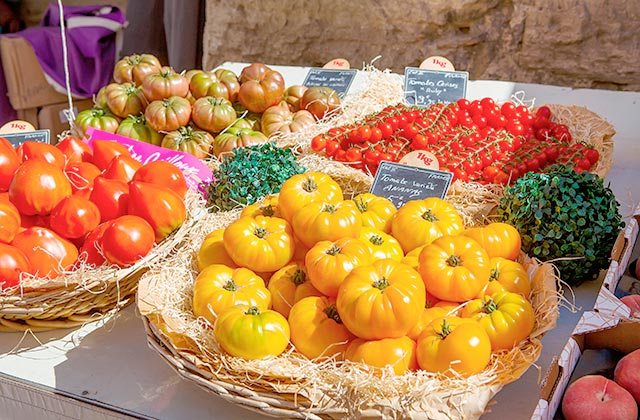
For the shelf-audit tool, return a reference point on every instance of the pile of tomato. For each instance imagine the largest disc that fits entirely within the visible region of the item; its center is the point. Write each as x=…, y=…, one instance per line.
x=478, y=141
x=67, y=205
x=361, y=281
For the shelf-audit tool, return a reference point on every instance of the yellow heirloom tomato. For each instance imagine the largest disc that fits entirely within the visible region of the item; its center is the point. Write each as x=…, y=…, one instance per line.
x=381, y=300
x=399, y=353
x=376, y=211
x=454, y=268
x=218, y=288
x=498, y=239
x=316, y=328
x=252, y=333
x=260, y=243
x=508, y=318
x=267, y=207
x=288, y=285
x=328, y=263
x=382, y=245
x=321, y=221
x=302, y=189
x=212, y=251
x=420, y=222
x=508, y=276
x=460, y=344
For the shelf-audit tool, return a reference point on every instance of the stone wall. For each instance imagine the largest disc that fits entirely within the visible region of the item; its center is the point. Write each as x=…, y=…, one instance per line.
x=581, y=43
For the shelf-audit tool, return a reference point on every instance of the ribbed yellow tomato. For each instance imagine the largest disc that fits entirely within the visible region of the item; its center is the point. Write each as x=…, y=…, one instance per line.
x=252, y=333
x=508, y=318
x=328, y=263
x=420, y=222
x=411, y=258
x=459, y=344
x=376, y=211
x=320, y=221
x=218, y=288
x=381, y=300
x=399, y=353
x=454, y=268
x=266, y=207
x=381, y=245
x=507, y=276
x=316, y=328
x=288, y=285
x=259, y=243
x=427, y=316
x=302, y=189
x=212, y=251
x=498, y=239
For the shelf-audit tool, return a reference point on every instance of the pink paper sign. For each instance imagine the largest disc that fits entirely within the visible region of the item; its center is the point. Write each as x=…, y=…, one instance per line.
x=195, y=171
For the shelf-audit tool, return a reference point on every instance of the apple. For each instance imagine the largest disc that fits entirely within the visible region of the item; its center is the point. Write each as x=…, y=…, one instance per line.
x=633, y=302
x=596, y=397
x=627, y=373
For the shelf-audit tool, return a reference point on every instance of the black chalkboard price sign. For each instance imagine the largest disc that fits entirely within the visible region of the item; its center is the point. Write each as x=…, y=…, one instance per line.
x=427, y=87
x=16, y=139
x=338, y=80
x=402, y=183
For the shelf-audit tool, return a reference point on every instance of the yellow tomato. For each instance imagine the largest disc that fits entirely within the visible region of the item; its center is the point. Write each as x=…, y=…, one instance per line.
x=427, y=316
x=454, y=343
x=411, y=259
x=420, y=222
x=316, y=328
x=218, y=288
x=320, y=221
x=267, y=207
x=212, y=251
x=508, y=318
x=259, y=243
x=399, y=353
x=288, y=285
x=376, y=211
x=328, y=263
x=381, y=300
x=454, y=268
x=252, y=333
x=498, y=239
x=302, y=189
x=381, y=245
x=507, y=276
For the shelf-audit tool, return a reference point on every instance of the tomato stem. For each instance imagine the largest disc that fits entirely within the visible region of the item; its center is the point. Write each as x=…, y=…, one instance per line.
x=494, y=274
x=454, y=261
x=376, y=240
x=329, y=208
x=267, y=210
x=361, y=205
x=334, y=250
x=252, y=311
x=260, y=232
x=429, y=216
x=309, y=185
x=445, y=329
x=381, y=284
x=489, y=306
x=299, y=277
x=230, y=286
x=332, y=312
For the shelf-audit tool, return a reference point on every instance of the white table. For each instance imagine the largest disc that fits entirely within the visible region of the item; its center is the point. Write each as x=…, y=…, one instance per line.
x=107, y=371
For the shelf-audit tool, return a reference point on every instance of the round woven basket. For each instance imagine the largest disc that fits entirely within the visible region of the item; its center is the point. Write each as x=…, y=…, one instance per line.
x=86, y=294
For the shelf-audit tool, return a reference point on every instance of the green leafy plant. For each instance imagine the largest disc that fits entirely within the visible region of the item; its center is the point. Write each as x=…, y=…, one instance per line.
x=250, y=174
x=561, y=214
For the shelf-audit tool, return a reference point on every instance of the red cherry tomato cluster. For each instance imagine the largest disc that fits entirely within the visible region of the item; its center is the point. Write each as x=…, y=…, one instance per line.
x=477, y=140
x=69, y=203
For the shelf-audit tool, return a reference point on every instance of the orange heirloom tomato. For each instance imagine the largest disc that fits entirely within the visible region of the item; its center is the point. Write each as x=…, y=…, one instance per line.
x=328, y=263
x=288, y=285
x=126, y=240
x=164, y=174
x=33, y=150
x=122, y=167
x=81, y=176
x=381, y=245
x=507, y=276
x=459, y=344
x=168, y=114
x=302, y=189
x=212, y=251
x=267, y=207
x=376, y=212
x=13, y=262
x=508, y=318
x=105, y=150
x=420, y=222
x=381, y=300
x=91, y=250
x=9, y=221
x=9, y=163
x=161, y=207
x=320, y=221
x=38, y=187
x=498, y=239
x=48, y=253
x=316, y=328
x=411, y=259
x=75, y=150
x=399, y=353
x=74, y=217
x=218, y=288
x=260, y=243
x=111, y=196
x=427, y=316
x=454, y=268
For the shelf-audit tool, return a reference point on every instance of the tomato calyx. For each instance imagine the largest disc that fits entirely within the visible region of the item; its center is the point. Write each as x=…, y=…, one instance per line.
x=454, y=261
x=230, y=286
x=252, y=311
x=334, y=250
x=299, y=277
x=489, y=306
x=376, y=239
x=332, y=312
x=445, y=329
x=494, y=274
x=361, y=205
x=429, y=216
x=309, y=185
x=329, y=208
x=381, y=284
x=267, y=210
x=260, y=232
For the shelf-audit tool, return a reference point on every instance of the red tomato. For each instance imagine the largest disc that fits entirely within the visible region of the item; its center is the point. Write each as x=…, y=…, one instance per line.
x=75, y=150
x=9, y=221
x=318, y=143
x=592, y=155
x=81, y=176
x=48, y=253
x=104, y=151
x=331, y=147
x=9, y=163
x=122, y=167
x=12, y=263
x=38, y=187
x=544, y=112
x=74, y=217
x=33, y=150
x=111, y=196
x=91, y=250
x=163, y=209
x=126, y=240
x=164, y=174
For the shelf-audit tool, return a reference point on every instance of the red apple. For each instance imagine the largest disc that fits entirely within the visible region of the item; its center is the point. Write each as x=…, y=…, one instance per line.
x=596, y=397
x=633, y=302
x=627, y=373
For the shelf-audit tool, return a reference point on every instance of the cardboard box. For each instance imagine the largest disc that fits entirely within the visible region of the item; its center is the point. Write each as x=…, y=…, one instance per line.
x=54, y=118
x=594, y=331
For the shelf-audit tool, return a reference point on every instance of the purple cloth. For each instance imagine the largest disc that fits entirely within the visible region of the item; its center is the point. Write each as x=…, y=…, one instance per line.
x=91, y=47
